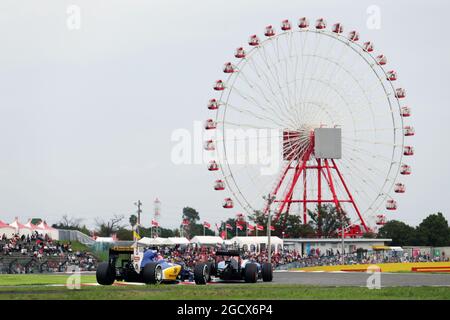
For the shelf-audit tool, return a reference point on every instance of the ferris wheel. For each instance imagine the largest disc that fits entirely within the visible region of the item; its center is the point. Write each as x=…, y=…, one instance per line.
x=337, y=116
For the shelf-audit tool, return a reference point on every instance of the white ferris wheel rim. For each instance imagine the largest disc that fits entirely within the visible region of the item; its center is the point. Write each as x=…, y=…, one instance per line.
x=389, y=90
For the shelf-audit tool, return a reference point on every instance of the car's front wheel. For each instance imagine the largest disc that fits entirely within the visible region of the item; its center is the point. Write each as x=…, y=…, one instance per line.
x=201, y=273
x=152, y=273
x=105, y=274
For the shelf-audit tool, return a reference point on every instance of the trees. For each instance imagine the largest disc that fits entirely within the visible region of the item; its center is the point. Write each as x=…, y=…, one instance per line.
x=326, y=220
x=132, y=220
x=434, y=231
x=107, y=228
x=400, y=233
x=68, y=223
x=191, y=214
x=194, y=228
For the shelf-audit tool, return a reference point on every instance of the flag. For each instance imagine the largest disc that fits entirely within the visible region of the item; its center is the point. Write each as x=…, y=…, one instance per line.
x=240, y=227
x=155, y=223
x=272, y=228
x=259, y=227
x=228, y=226
x=206, y=225
x=136, y=235
x=185, y=222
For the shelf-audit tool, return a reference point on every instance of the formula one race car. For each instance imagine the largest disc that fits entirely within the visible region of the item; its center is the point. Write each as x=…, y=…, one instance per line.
x=138, y=265
x=232, y=267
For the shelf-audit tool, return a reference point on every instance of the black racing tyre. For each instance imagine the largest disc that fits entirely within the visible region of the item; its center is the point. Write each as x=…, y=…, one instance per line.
x=267, y=272
x=251, y=273
x=105, y=274
x=152, y=273
x=201, y=273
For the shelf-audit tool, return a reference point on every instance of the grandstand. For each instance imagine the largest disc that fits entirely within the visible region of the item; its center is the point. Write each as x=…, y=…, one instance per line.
x=28, y=248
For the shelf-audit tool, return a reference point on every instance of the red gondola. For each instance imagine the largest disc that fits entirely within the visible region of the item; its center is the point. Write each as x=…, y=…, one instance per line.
x=303, y=23
x=400, y=93
x=381, y=59
x=405, y=169
x=213, y=166
x=253, y=40
x=210, y=124
x=219, y=86
x=240, y=53
x=213, y=104
x=408, y=151
x=270, y=32
x=337, y=28
x=229, y=67
x=353, y=36
x=321, y=24
x=286, y=25
x=368, y=46
x=391, y=75
x=381, y=219
x=209, y=145
x=408, y=131
x=219, y=185
x=228, y=203
x=391, y=204
x=399, y=188
x=406, y=111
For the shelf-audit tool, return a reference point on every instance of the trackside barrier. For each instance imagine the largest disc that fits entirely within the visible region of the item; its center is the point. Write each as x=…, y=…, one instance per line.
x=431, y=269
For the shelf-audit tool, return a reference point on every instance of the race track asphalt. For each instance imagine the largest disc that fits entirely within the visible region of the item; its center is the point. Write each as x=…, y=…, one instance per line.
x=360, y=279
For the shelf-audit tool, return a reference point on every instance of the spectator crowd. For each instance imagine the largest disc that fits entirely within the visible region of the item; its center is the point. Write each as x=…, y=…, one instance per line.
x=19, y=254
x=292, y=258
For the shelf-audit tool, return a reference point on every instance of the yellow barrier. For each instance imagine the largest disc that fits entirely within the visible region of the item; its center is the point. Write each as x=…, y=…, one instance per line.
x=385, y=267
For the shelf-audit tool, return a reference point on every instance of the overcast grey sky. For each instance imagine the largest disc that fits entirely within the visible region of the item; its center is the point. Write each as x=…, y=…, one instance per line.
x=86, y=115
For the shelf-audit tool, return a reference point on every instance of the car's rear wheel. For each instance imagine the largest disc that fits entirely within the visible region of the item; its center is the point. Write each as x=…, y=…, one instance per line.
x=251, y=273
x=201, y=273
x=267, y=272
x=152, y=273
x=105, y=274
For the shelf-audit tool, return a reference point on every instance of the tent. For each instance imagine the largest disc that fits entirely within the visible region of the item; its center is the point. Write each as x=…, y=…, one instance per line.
x=21, y=229
x=156, y=241
x=52, y=232
x=256, y=242
x=206, y=240
x=179, y=240
x=6, y=229
x=35, y=227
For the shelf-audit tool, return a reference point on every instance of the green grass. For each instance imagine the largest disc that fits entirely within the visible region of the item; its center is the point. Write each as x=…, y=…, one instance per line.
x=29, y=287
x=77, y=246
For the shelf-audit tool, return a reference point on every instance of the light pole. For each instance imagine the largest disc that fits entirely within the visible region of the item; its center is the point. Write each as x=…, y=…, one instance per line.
x=269, y=198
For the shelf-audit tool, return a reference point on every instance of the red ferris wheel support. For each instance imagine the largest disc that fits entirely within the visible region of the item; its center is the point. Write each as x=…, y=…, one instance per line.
x=299, y=164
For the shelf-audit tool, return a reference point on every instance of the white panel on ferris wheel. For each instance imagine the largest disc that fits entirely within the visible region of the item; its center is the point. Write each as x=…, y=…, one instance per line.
x=328, y=143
